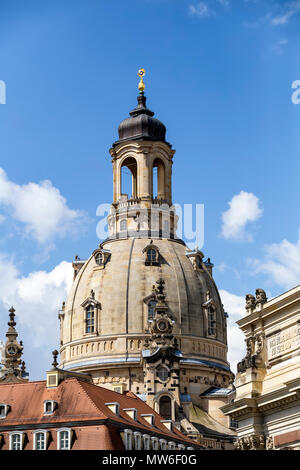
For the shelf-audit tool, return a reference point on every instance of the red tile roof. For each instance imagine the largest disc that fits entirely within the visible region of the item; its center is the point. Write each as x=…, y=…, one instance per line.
x=79, y=402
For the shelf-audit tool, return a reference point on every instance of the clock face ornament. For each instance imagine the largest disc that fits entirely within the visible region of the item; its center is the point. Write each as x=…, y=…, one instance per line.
x=162, y=325
x=11, y=350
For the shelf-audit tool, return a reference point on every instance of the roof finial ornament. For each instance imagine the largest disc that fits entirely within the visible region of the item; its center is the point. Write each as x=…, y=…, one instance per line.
x=141, y=74
x=55, y=354
x=12, y=322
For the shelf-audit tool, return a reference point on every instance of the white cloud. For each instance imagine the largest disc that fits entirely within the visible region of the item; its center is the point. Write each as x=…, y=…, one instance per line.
x=37, y=299
x=40, y=207
x=289, y=10
x=243, y=209
x=201, y=10
x=234, y=305
x=279, y=46
x=281, y=262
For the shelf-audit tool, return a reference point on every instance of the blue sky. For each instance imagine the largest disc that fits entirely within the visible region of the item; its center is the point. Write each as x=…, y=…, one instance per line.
x=219, y=75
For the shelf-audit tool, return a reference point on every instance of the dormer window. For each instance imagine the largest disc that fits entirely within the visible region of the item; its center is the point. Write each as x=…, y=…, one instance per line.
x=211, y=322
x=151, y=253
x=90, y=319
x=91, y=307
x=4, y=409
x=99, y=258
x=49, y=406
x=210, y=311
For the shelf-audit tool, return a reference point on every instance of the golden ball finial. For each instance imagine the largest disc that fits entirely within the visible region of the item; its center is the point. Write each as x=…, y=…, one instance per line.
x=141, y=74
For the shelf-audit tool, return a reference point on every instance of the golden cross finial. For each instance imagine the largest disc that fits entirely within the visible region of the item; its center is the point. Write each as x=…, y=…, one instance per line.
x=141, y=74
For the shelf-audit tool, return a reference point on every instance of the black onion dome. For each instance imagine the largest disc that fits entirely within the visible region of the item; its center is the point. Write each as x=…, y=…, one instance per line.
x=141, y=125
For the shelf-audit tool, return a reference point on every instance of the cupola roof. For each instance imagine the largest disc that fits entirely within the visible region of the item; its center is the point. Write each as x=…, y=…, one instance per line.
x=141, y=125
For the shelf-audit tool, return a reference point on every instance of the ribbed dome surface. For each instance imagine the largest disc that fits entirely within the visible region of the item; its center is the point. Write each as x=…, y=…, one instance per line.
x=142, y=124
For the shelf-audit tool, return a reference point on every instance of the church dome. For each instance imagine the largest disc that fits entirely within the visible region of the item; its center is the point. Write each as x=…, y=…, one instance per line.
x=141, y=125
x=118, y=281
x=144, y=313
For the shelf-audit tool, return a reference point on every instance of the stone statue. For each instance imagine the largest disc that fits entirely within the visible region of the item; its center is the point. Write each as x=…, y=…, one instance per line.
x=250, y=303
x=261, y=297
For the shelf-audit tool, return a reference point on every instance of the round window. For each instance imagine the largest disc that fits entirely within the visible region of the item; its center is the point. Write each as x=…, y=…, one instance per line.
x=162, y=373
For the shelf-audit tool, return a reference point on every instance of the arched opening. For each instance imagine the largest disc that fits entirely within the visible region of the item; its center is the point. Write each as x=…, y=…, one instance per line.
x=165, y=407
x=158, y=179
x=129, y=178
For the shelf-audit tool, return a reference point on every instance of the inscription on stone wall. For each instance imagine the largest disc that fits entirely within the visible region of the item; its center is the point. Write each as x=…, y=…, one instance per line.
x=284, y=342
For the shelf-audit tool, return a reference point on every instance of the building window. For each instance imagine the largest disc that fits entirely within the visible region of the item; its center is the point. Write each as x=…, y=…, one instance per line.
x=151, y=309
x=99, y=258
x=155, y=443
x=146, y=442
x=162, y=373
x=49, y=406
x=151, y=254
x=165, y=407
x=64, y=439
x=4, y=409
x=16, y=441
x=137, y=441
x=128, y=439
x=90, y=319
x=211, y=322
x=163, y=444
x=40, y=440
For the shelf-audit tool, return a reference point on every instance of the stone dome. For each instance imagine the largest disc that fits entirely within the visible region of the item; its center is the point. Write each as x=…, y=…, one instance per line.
x=121, y=288
x=141, y=125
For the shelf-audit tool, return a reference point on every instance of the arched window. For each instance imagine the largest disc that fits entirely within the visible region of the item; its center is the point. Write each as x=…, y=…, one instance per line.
x=129, y=178
x=162, y=373
x=40, y=440
x=158, y=179
x=165, y=407
x=151, y=309
x=123, y=225
x=151, y=255
x=90, y=319
x=99, y=258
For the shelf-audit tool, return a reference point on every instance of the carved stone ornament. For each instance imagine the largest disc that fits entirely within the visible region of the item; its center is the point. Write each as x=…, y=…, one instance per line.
x=270, y=443
x=261, y=297
x=250, y=303
x=253, y=358
x=254, y=442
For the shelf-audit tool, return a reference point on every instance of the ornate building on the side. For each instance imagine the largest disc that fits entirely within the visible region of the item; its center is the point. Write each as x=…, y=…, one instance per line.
x=267, y=403
x=144, y=313
x=13, y=370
